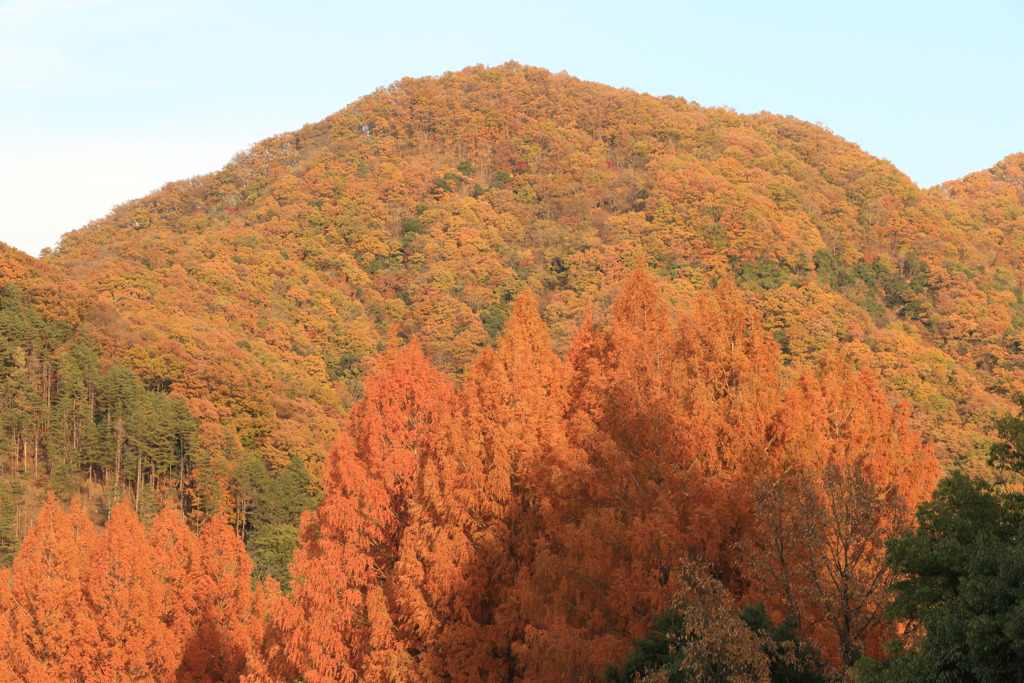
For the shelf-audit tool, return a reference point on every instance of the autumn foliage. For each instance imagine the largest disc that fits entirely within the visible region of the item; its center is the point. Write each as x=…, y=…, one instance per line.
x=525, y=525
x=252, y=299
x=530, y=523
x=201, y=344
x=514, y=491
x=130, y=603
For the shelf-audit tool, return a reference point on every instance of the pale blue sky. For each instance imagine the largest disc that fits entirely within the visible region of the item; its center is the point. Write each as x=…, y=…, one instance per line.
x=102, y=101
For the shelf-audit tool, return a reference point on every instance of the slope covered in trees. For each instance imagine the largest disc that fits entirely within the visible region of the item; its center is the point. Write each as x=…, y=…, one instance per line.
x=74, y=419
x=203, y=345
x=257, y=292
x=526, y=525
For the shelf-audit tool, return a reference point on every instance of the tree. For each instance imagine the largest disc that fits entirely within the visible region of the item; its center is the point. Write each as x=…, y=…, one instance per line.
x=666, y=415
x=127, y=596
x=341, y=627
x=130, y=603
x=962, y=579
x=269, y=506
x=175, y=550
x=703, y=636
x=962, y=575
x=514, y=428
x=228, y=620
x=845, y=473
x=45, y=616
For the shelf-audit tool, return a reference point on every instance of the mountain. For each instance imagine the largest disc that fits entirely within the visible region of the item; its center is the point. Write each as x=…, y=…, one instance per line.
x=206, y=344
x=261, y=292
x=259, y=295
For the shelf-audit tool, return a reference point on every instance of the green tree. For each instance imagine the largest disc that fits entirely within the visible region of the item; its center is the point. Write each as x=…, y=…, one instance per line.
x=10, y=493
x=270, y=506
x=963, y=569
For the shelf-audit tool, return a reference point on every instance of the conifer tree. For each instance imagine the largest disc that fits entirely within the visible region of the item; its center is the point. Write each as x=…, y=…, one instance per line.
x=341, y=627
x=228, y=620
x=848, y=472
x=127, y=596
x=46, y=618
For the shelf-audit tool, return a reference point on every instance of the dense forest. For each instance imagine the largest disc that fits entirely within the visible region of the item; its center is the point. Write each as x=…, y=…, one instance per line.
x=504, y=375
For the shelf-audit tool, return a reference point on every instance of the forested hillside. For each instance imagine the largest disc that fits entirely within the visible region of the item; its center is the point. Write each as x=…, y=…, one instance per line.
x=526, y=525
x=74, y=420
x=812, y=322
x=259, y=291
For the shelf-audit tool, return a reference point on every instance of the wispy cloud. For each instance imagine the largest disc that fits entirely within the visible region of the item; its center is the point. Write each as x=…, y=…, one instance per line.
x=57, y=188
x=88, y=18
x=45, y=45
x=38, y=68
x=24, y=15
